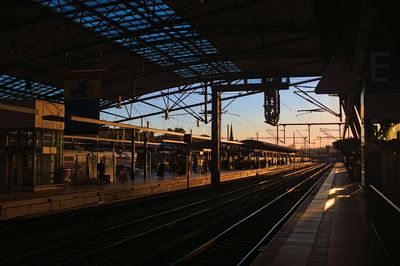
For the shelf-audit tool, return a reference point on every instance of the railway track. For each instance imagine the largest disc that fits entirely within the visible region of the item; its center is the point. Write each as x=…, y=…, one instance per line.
x=240, y=243
x=43, y=231
x=20, y=223
x=143, y=240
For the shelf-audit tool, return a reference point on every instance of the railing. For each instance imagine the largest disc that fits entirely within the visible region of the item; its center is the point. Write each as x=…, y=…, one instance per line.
x=385, y=220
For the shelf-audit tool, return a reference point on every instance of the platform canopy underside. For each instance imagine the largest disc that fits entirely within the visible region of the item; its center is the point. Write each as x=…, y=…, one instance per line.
x=148, y=46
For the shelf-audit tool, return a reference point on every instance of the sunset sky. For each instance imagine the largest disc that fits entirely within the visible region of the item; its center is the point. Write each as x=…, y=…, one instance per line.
x=246, y=115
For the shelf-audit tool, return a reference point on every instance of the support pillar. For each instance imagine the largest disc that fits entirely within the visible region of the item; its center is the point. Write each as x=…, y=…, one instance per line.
x=266, y=159
x=215, y=137
x=309, y=142
x=284, y=134
x=294, y=140
x=133, y=151
x=205, y=103
x=187, y=138
x=146, y=162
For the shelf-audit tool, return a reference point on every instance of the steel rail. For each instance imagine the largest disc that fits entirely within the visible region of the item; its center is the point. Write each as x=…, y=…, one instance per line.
x=190, y=256
x=247, y=190
x=57, y=246
x=286, y=217
x=69, y=213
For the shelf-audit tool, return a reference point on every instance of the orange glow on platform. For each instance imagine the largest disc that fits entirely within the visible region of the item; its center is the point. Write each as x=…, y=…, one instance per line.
x=329, y=203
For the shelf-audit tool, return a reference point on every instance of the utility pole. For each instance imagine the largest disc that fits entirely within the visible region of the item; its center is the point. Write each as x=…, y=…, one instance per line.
x=309, y=141
x=294, y=140
x=284, y=134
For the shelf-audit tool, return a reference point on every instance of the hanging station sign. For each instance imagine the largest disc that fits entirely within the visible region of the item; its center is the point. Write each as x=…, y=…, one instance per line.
x=82, y=95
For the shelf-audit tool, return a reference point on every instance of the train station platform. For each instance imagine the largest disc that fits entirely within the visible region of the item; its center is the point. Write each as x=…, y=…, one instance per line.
x=20, y=204
x=330, y=228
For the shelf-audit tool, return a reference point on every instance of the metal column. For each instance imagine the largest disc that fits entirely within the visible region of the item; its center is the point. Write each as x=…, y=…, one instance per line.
x=216, y=136
x=309, y=143
x=133, y=151
x=146, y=162
x=284, y=134
x=205, y=103
x=187, y=138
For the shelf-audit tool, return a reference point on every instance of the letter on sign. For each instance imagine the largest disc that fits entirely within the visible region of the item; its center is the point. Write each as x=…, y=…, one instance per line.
x=375, y=66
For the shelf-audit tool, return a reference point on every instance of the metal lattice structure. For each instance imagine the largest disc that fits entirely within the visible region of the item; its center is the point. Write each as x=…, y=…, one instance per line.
x=131, y=25
x=151, y=46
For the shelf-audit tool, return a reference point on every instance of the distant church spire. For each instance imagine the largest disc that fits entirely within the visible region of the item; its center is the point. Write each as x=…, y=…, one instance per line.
x=231, y=135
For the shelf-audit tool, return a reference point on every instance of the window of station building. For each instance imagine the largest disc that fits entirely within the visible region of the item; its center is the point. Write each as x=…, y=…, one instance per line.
x=16, y=138
x=60, y=141
x=49, y=138
x=27, y=170
x=2, y=139
x=384, y=131
x=38, y=140
x=38, y=170
x=12, y=139
x=48, y=170
x=27, y=139
x=2, y=171
x=69, y=159
x=390, y=173
x=81, y=158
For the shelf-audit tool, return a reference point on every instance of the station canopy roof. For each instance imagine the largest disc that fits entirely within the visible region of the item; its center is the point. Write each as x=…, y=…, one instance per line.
x=146, y=46
x=261, y=145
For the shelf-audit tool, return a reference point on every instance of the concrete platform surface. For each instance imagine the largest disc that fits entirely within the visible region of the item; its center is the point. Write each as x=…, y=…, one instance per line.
x=332, y=228
x=18, y=204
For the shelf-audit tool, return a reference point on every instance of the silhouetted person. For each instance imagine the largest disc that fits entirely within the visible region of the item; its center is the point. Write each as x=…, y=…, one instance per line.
x=161, y=169
x=195, y=164
x=205, y=166
x=174, y=168
x=100, y=171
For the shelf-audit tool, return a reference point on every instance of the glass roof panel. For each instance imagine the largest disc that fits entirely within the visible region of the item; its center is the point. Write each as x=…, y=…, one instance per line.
x=14, y=88
x=142, y=21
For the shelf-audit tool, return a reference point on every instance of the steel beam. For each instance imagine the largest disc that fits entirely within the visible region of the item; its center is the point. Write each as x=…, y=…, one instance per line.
x=18, y=109
x=311, y=124
x=241, y=87
x=138, y=128
x=191, y=87
x=188, y=106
